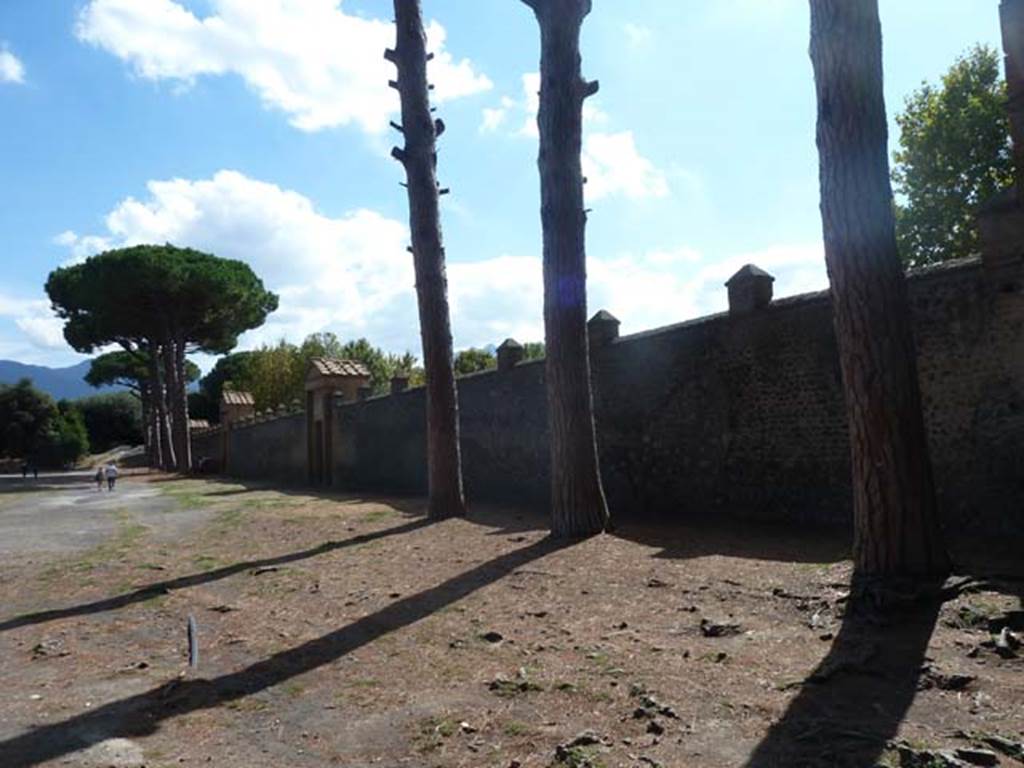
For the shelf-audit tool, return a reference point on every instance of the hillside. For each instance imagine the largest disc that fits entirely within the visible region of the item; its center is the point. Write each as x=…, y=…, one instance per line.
x=59, y=383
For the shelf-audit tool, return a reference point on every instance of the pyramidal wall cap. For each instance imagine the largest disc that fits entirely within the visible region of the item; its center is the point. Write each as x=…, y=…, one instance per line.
x=749, y=272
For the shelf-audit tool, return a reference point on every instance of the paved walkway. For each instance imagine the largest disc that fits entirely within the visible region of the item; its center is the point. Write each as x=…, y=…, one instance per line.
x=65, y=513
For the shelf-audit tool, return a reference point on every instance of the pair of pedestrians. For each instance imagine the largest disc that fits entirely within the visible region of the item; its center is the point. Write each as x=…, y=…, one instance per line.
x=108, y=473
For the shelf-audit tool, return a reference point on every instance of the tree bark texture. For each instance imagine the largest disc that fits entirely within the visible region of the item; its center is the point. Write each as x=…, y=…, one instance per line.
x=578, y=506
x=182, y=427
x=170, y=396
x=896, y=530
x=419, y=157
x=159, y=394
x=147, y=423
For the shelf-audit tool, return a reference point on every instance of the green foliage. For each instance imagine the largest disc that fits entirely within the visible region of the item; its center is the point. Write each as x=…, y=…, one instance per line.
x=474, y=360
x=64, y=440
x=534, y=350
x=955, y=154
x=229, y=371
x=151, y=292
x=122, y=369
x=25, y=414
x=277, y=374
x=111, y=420
x=382, y=365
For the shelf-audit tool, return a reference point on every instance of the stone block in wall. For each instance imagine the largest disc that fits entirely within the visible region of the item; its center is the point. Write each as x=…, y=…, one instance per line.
x=750, y=289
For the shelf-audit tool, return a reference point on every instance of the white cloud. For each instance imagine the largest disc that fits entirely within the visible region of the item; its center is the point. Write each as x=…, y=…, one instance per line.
x=638, y=35
x=613, y=166
x=612, y=163
x=11, y=68
x=523, y=110
x=36, y=321
x=494, y=117
x=352, y=275
x=81, y=247
x=308, y=58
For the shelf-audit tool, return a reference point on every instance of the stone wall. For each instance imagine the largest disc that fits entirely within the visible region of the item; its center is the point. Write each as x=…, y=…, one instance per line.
x=738, y=414
x=271, y=449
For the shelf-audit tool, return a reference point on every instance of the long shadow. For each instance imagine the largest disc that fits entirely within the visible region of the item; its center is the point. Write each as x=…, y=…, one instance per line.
x=852, y=705
x=687, y=539
x=142, y=714
x=182, y=582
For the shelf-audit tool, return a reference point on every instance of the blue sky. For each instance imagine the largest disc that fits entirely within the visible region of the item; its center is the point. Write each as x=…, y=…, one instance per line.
x=256, y=129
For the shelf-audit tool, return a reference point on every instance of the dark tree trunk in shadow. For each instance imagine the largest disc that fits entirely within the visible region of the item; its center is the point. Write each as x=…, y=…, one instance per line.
x=147, y=418
x=170, y=398
x=896, y=526
x=419, y=157
x=165, y=450
x=183, y=431
x=578, y=506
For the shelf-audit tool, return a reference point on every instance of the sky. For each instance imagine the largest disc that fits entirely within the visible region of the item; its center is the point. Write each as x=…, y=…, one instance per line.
x=258, y=130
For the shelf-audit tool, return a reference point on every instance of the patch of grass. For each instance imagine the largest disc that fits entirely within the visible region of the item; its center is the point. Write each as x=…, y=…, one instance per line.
x=364, y=683
x=247, y=705
x=293, y=689
x=579, y=757
x=206, y=562
x=229, y=519
x=433, y=732
x=519, y=686
x=116, y=549
x=377, y=516
x=516, y=728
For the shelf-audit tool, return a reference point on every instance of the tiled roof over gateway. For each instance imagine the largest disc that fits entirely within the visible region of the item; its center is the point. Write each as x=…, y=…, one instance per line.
x=230, y=397
x=329, y=366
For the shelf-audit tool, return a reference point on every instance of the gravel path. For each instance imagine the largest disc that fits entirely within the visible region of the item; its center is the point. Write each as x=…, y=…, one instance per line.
x=65, y=513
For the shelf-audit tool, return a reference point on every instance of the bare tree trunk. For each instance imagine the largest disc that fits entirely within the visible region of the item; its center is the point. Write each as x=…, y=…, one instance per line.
x=183, y=449
x=419, y=157
x=147, y=435
x=162, y=429
x=895, y=518
x=578, y=506
x=170, y=387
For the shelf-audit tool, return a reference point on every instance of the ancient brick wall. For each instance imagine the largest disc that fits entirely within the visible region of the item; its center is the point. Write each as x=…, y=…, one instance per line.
x=739, y=414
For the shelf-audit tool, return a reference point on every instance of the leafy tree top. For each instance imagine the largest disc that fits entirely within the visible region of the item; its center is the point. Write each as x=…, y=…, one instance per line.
x=149, y=293
x=954, y=155
x=127, y=369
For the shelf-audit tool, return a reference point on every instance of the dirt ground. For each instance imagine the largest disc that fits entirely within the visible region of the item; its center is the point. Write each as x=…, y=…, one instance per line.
x=340, y=631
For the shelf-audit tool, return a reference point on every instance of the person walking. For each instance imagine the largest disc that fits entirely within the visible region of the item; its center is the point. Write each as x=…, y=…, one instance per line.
x=111, y=475
x=99, y=477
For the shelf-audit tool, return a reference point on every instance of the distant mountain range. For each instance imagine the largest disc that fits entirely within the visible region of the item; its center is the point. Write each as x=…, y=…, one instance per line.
x=60, y=383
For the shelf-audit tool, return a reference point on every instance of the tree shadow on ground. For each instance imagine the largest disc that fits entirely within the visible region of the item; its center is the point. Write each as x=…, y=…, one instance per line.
x=740, y=538
x=852, y=705
x=504, y=518
x=141, y=715
x=155, y=589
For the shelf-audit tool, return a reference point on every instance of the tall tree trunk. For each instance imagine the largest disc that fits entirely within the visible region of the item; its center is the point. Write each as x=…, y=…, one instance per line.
x=147, y=435
x=419, y=157
x=162, y=429
x=183, y=448
x=578, y=506
x=895, y=518
x=170, y=385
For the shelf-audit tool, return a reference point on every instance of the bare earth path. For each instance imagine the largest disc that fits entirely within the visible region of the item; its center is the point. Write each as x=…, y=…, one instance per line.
x=65, y=513
x=348, y=632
